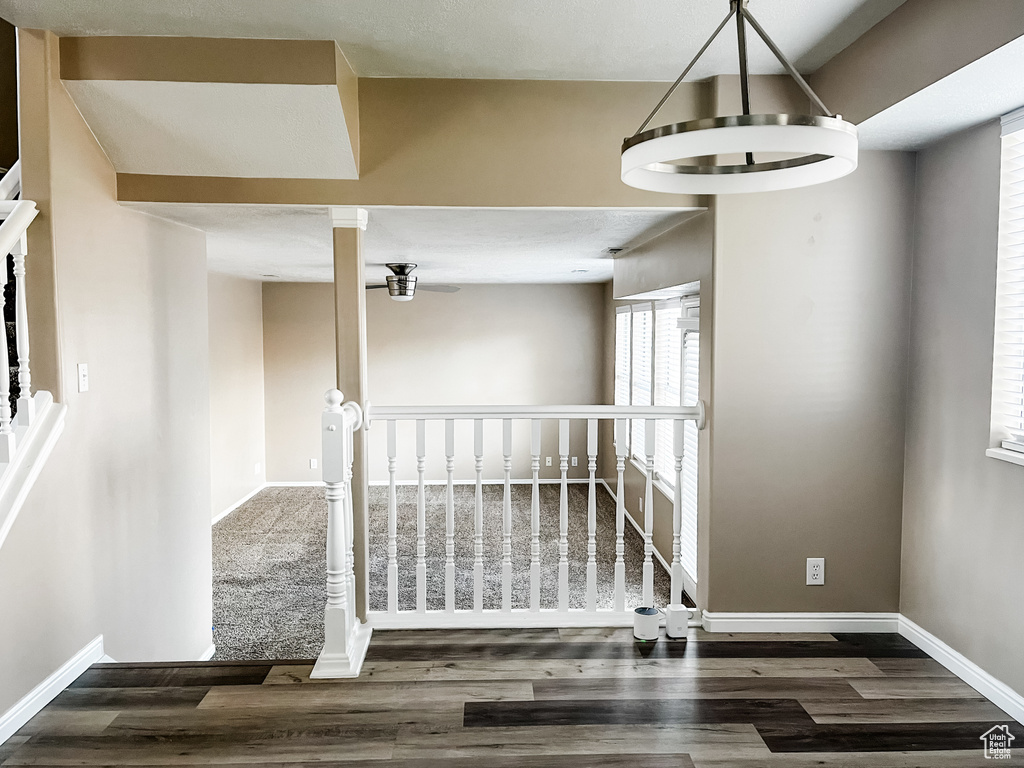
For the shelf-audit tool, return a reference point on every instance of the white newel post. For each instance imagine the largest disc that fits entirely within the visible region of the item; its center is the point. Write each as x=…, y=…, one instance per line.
x=26, y=405
x=345, y=637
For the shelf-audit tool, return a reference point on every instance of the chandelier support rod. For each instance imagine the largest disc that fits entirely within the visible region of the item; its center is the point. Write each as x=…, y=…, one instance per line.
x=804, y=86
x=668, y=94
x=741, y=41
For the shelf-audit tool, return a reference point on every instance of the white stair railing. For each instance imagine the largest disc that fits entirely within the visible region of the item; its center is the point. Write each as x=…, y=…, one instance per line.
x=346, y=638
x=529, y=612
x=28, y=437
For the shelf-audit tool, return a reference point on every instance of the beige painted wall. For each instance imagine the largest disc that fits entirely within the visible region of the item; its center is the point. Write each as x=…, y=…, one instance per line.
x=115, y=536
x=962, y=524
x=299, y=367
x=487, y=344
x=8, y=96
x=811, y=312
x=237, y=426
x=470, y=142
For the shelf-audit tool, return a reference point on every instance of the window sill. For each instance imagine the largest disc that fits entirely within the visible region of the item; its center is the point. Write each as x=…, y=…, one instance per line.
x=1004, y=455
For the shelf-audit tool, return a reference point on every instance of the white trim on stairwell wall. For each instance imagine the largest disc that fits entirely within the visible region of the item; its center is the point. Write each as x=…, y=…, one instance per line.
x=995, y=690
x=689, y=582
x=33, y=701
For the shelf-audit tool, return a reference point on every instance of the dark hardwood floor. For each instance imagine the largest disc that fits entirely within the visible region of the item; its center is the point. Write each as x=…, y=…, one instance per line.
x=533, y=699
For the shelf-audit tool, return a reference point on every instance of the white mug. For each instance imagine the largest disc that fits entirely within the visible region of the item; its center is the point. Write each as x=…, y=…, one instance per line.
x=646, y=623
x=677, y=619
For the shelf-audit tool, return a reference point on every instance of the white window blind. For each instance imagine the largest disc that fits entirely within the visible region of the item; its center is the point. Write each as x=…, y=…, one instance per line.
x=622, y=316
x=643, y=339
x=1008, y=358
x=688, y=531
x=668, y=339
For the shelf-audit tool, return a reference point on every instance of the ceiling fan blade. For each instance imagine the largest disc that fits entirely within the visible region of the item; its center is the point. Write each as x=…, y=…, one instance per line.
x=371, y=287
x=438, y=288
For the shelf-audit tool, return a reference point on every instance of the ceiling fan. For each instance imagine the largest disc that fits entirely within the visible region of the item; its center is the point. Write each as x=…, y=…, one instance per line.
x=402, y=285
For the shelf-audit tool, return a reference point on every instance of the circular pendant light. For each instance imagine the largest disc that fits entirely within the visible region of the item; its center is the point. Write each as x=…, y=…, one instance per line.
x=670, y=158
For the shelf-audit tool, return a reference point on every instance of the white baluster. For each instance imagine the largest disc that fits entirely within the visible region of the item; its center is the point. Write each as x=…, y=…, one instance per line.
x=592, y=516
x=350, y=541
x=621, y=433
x=26, y=405
x=506, y=518
x=421, y=517
x=648, y=573
x=535, y=516
x=478, y=520
x=677, y=512
x=6, y=429
x=563, y=516
x=392, y=520
x=449, y=524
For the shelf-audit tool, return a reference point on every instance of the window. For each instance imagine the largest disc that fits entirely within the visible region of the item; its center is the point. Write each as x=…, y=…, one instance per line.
x=622, y=317
x=668, y=341
x=640, y=354
x=656, y=354
x=1008, y=354
x=688, y=530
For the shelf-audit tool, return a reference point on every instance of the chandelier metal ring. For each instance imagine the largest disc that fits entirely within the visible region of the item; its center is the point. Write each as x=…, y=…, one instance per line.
x=803, y=149
x=827, y=148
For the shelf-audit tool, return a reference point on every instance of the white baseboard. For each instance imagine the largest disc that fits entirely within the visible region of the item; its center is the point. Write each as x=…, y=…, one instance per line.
x=237, y=504
x=32, y=702
x=208, y=653
x=262, y=487
x=485, y=481
x=801, y=622
x=996, y=691
x=494, y=619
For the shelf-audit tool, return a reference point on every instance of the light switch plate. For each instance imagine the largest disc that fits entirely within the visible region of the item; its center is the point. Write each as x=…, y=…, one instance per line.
x=83, y=377
x=312, y=463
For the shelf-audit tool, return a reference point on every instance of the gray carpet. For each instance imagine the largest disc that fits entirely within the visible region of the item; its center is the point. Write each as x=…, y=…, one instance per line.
x=269, y=571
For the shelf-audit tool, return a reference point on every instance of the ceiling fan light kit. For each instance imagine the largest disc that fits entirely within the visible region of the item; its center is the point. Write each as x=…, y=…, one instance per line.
x=401, y=283
x=670, y=158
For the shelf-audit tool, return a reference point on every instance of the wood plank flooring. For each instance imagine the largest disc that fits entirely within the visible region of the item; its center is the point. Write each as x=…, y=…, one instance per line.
x=532, y=699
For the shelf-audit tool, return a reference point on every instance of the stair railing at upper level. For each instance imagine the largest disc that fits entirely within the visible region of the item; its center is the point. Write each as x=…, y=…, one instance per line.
x=27, y=438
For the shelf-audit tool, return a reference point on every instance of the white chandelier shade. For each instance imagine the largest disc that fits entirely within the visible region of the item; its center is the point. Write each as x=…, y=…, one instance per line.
x=674, y=158
x=656, y=159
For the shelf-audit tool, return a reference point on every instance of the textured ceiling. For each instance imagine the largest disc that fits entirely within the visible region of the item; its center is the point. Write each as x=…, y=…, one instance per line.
x=451, y=245
x=519, y=39
x=981, y=91
x=218, y=129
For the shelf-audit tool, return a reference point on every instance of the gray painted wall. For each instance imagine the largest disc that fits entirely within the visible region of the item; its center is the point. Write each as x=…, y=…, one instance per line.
x=963, y=517
x=811, y=311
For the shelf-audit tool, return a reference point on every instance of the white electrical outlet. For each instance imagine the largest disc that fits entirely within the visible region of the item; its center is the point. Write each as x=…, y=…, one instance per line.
x=575, y=461
x=815, y=571
x=83, y=377
x=547, y=461
x=257, y=470
x=312, y=463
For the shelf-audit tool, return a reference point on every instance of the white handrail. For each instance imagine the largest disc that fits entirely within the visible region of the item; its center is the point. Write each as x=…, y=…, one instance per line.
x=404, y=412
x=10, y=184
x=15, y=224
